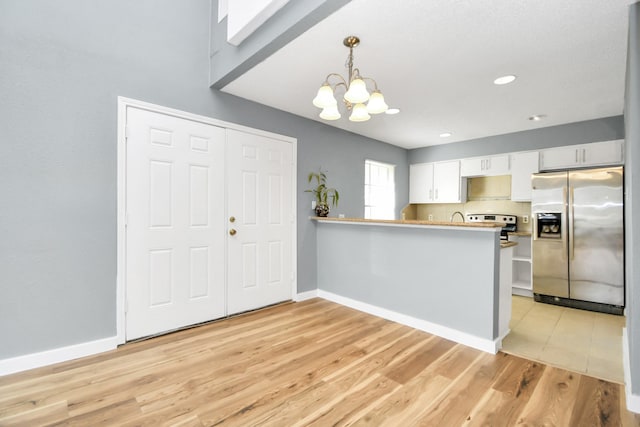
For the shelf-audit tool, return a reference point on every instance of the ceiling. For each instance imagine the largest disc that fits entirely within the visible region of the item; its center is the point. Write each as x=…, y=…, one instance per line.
x=436, y=61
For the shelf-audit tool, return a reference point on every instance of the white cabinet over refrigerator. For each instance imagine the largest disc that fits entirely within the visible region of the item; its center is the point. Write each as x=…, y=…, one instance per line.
x=607, y=153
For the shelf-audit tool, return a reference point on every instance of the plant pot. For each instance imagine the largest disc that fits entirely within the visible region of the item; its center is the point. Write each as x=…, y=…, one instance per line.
x=322, y=210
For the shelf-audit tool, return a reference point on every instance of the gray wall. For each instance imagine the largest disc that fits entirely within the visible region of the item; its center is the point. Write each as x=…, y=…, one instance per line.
x=632, y=183
x=63, y=66
x=416, y=272
x=229, y=62
x=605, y=129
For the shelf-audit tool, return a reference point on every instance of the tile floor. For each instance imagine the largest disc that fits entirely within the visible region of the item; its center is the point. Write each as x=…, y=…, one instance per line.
x=577, y=340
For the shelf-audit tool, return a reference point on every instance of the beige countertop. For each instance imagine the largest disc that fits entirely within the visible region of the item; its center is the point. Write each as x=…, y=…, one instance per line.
x=507, y=244
x=413, y=222
x=520, y=233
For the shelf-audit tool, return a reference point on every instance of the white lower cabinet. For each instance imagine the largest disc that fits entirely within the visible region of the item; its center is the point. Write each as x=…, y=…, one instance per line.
x=586, y=155
x=436, y=183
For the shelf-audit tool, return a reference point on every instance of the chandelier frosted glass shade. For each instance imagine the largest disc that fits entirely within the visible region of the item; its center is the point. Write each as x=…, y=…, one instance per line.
x=330, y=113
x=376, y=104
x=356, y=93
x=325, y=97
x=359, y=113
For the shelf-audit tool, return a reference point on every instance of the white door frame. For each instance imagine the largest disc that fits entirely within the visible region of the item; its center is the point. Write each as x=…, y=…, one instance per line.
x=123, y=104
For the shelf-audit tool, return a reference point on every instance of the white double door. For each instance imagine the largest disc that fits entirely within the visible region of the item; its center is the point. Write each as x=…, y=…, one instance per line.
x=209, y=222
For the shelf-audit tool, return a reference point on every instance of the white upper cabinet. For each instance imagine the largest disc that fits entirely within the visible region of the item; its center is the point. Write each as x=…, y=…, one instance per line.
x=577, y=156
x=435, y=183
x=603, y=153
x=485, y=166
x=421, y=183
x=522, y=166
x=447, y=185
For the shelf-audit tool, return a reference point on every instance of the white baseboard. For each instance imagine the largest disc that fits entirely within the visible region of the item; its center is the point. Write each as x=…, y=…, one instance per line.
x=489, y=346
x=522, y=292
x=633, y=400
x=57, y=355
x=305, y=295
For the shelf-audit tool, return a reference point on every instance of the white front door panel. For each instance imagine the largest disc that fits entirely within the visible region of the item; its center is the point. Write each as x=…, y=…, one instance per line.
x=175, y=223
x=260, y=201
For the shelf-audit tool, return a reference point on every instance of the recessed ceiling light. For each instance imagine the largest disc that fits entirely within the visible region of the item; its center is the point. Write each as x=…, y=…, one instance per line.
x=537, y=117
x=445, y=135
x=504, y=80
x=392, y=111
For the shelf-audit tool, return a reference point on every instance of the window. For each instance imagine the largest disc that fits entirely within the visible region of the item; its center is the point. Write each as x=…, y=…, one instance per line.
x=379, y=190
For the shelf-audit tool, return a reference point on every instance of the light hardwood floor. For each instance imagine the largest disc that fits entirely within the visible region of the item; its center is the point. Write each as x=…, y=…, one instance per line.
x=308, y=363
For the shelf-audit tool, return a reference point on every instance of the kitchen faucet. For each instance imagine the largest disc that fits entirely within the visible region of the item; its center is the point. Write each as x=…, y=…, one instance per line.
x=454, y=214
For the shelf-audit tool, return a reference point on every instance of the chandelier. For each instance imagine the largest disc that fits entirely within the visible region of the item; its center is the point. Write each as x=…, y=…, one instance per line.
x=356, y=93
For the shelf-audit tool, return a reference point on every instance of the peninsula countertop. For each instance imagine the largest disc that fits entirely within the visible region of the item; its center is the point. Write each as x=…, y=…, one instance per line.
x=489, y=226
x=412, y=222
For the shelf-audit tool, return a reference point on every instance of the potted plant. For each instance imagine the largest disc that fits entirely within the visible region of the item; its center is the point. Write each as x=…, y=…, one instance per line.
x=322, y=193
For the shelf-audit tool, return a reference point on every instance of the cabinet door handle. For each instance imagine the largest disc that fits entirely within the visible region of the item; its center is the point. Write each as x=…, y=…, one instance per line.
x=431, y=194
x=577, y=155
x=584, y=155
x=436, y=194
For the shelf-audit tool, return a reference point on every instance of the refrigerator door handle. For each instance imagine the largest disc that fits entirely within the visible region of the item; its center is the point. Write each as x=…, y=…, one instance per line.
x=571, y=225
x=563, y=225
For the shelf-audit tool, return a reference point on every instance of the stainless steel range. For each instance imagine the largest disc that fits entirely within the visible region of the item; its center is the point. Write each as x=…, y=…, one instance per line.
x=510, y=222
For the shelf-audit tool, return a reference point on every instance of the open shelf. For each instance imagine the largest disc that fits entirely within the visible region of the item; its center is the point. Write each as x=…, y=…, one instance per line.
x=521, y=266
x=522, y=274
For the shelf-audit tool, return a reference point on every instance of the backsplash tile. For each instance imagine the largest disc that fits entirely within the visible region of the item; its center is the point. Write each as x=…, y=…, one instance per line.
x=443, y=211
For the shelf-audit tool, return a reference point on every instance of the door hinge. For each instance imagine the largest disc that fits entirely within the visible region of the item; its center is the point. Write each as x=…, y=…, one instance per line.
x=127, y=132
x=126, y=219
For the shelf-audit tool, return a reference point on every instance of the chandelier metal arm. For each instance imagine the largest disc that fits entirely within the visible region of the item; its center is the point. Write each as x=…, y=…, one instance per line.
x=342, y=80
x=375, y=84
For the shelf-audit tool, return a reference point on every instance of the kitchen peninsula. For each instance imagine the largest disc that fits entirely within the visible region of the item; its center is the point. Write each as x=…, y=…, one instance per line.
x=440, y=277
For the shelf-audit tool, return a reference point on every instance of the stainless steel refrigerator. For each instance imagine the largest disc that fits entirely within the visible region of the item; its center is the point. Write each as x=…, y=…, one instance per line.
x=578, y=239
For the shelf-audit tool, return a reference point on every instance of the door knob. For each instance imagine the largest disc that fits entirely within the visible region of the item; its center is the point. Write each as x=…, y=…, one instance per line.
x=232, y=219
x=232, y=232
